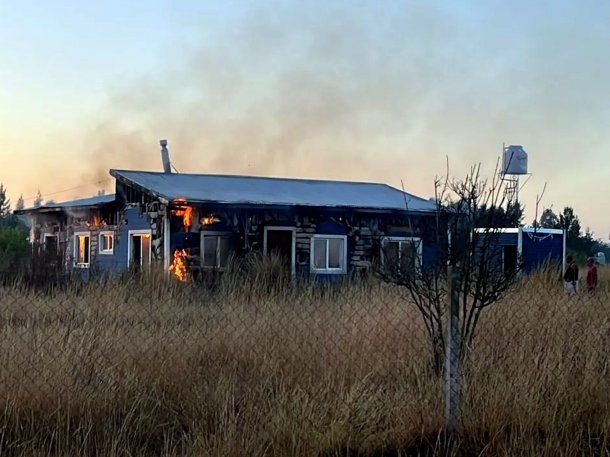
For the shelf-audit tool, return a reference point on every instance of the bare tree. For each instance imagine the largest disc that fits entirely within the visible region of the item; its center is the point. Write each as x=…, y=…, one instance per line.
x=473, y=252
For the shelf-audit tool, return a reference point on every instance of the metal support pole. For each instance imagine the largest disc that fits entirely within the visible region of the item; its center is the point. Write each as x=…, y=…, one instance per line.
x=452, y=354
x=166, y=241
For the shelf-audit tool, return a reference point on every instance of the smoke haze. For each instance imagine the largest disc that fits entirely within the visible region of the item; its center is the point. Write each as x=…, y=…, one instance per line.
x=365, y=92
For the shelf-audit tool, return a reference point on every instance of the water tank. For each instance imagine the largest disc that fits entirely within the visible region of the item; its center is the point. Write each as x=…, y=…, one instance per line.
x=514, y=161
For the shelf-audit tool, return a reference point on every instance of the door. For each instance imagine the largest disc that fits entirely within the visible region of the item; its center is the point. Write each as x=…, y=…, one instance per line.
x=280, y=241
x=139, y=250
x=51, y=242
x=510, y=258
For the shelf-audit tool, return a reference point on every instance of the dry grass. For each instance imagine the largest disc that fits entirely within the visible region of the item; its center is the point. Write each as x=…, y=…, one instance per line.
x=257, y=367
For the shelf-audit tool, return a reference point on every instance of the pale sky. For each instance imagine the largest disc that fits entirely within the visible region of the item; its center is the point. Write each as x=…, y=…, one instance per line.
x=357, y=90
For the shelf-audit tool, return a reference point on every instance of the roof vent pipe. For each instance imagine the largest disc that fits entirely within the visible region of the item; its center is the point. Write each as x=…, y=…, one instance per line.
x=167, y=166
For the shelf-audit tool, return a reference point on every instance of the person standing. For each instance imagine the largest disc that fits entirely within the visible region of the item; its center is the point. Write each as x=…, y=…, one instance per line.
x=591, y=275
x=570, y=277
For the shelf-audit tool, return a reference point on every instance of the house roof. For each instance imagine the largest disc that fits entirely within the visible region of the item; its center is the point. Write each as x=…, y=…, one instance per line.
x=79, y=203
x=254, y=190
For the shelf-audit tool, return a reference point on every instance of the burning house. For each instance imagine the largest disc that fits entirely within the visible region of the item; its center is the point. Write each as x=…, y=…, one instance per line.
x=189, y=223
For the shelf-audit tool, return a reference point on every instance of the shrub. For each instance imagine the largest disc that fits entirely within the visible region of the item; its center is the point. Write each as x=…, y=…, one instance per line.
x=14, y=248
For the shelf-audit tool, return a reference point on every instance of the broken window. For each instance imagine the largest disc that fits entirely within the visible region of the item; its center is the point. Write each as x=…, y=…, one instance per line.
x=215, y=250
x=82, y=250
x=401, y=254
x=329, y=254
x=106, y=243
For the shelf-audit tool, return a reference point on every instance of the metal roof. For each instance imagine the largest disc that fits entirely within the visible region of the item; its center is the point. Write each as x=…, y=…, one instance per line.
x=79, y=203
x=254, y=190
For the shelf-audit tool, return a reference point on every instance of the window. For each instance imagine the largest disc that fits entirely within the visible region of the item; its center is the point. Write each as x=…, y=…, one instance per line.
x=82, y=250
x=401, y=253
x=329, y=254
x=106, y=243
x=215, y=250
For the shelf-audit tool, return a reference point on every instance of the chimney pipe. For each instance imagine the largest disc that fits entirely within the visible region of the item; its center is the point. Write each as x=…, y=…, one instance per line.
x=167, y=166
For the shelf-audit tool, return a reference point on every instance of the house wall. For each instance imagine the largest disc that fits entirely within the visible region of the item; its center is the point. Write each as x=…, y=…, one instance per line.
x=508, y=239
x=364, y=232
x=131, y=218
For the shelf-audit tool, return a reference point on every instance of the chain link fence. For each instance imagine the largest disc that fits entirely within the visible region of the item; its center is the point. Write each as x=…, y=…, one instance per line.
x=253, y=365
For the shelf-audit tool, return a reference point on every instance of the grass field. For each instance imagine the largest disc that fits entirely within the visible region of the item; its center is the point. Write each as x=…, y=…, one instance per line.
x=256, y=367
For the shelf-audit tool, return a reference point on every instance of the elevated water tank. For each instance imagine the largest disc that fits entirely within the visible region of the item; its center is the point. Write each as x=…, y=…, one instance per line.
x=514, y=160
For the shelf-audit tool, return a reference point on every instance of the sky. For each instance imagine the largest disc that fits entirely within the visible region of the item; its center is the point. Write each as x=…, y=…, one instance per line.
x=357, y=90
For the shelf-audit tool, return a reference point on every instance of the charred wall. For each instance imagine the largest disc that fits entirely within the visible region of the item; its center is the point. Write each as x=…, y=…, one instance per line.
x=246, y=226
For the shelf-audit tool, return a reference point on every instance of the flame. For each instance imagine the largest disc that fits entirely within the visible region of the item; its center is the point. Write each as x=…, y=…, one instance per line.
x=178, y=266
x=187, y=219
x=81, y=247
x=208, y=220
x=186, y=213
x=95, y=222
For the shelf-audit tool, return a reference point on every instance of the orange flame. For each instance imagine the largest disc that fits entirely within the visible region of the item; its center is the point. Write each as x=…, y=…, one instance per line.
x=95, y=222
x=187, y=219
x=186, y=213
x=81, y=247
x=208, y=220
x=178, y=266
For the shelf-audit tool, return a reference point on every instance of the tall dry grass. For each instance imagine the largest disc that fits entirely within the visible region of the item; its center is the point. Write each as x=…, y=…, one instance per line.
x=258, y=365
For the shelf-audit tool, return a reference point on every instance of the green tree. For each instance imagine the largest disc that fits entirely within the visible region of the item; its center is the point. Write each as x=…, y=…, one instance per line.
x=497, y=217
x=569, y=221
x=5, y=203
x=514, y=215
x=20, y=203
x=14, y=249
x=549, y=219
x=14, y=241
x=38, y=200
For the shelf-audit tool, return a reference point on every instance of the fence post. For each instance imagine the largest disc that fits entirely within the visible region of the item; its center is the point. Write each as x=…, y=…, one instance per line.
x=452, y=354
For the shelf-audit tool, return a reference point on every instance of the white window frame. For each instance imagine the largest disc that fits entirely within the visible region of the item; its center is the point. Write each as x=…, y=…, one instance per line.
x=49, y=235
x=293, y=253
x=403, y=239
x=130, y=234
x=100, y=243
x=327, y=271
x=211, y=233
x=75, y=250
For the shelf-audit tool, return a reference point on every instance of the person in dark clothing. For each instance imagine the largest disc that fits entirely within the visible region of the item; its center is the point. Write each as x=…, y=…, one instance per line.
x=570, y=277
x=591, y=275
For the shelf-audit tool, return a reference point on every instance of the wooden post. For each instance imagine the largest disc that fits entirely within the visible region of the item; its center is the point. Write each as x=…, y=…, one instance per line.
x=452, y=353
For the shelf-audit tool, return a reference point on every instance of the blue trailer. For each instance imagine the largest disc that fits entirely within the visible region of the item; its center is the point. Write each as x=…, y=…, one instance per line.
x=529, y=247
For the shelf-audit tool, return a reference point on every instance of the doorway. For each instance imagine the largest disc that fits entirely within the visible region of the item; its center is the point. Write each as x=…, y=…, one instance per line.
x=139, y=249
x=281, y=241
x=510, y=259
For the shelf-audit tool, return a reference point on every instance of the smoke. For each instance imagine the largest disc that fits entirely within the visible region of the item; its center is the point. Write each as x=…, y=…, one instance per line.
x=367, y=93
x=290, y=93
